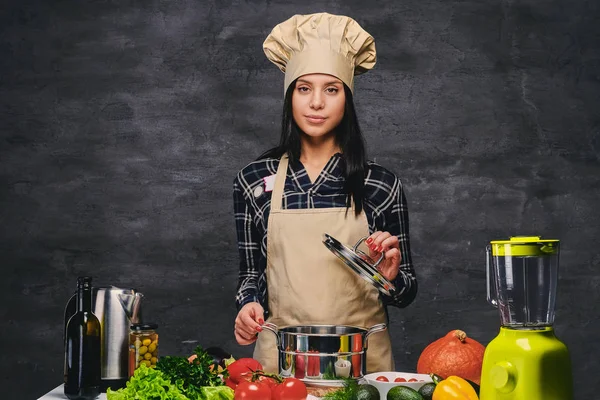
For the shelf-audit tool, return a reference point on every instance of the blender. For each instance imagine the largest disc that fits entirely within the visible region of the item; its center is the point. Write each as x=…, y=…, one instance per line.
x=526, y=361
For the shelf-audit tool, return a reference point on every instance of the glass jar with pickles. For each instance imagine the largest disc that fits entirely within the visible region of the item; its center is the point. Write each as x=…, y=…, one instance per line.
x=143, y=346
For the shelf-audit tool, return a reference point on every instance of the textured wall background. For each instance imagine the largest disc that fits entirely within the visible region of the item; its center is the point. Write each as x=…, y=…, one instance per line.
x=123, y=124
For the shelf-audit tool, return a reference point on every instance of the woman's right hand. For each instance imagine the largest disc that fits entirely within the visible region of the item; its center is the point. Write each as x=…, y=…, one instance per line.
x=248, y=323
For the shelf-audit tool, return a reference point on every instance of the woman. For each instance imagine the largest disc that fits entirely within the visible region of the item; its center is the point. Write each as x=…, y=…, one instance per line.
x=318, y=181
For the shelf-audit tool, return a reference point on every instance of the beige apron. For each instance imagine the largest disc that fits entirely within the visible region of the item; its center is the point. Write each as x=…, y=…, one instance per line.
x=308, y=285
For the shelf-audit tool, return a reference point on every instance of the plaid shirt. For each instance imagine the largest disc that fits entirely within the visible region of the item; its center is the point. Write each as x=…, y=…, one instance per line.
x=384, y=205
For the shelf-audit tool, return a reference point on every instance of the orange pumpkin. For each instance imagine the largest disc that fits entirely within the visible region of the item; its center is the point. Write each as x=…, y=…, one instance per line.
x=454, y=354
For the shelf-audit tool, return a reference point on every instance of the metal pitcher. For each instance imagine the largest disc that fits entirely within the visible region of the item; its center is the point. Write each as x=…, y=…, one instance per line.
x=116, y=309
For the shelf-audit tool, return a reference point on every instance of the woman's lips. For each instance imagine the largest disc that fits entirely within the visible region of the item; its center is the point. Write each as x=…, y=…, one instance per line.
x=315, y=119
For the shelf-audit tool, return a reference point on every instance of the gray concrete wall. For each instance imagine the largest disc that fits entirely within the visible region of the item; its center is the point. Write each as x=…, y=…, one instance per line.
x=123, y=124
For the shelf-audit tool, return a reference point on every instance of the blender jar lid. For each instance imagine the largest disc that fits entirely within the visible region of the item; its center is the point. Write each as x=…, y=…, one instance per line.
x=361, y=263
x=525, y=246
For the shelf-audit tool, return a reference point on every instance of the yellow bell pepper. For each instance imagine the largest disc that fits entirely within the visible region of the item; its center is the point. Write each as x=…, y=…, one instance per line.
x=454, y=388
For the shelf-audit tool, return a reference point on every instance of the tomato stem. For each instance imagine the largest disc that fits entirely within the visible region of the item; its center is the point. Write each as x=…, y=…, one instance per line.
x=256, y=374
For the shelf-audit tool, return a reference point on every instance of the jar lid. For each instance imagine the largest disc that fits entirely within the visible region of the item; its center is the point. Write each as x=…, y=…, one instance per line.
x=361, y=263
x=525, y=246
x=144, y=327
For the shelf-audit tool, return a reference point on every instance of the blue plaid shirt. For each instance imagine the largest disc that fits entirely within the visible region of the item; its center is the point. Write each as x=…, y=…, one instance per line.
x=384, y=205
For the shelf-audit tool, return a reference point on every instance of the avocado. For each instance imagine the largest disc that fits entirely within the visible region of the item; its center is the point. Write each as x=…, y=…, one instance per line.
x=427, y=390
x=367, y=392
x=403, y=393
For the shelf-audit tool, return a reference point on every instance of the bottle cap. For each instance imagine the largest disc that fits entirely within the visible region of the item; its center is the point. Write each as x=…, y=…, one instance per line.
x=85, y=281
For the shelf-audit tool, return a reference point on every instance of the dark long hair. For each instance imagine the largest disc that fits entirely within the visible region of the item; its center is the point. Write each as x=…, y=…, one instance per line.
x=348, y=137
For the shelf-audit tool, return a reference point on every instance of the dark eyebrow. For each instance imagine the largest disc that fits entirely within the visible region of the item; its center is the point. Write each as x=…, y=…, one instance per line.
x=326, y=84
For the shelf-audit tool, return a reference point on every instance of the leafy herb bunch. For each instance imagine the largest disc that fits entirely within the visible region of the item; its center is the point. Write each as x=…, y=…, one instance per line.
x=348, y=392
x=188, y=376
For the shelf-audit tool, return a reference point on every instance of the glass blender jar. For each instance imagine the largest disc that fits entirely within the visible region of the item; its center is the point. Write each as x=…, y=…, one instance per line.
x=526, y=361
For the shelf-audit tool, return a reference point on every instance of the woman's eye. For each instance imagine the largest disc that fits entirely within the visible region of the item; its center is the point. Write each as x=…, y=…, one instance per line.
x=303, y=89
x=332, y=90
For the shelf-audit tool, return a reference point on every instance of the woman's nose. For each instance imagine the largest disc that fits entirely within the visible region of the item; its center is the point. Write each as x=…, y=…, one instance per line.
x=316, y=102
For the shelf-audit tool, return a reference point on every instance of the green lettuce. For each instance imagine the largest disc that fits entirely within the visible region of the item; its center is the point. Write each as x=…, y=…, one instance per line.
x=153, y=384
x=217, y=392
x=147, y=384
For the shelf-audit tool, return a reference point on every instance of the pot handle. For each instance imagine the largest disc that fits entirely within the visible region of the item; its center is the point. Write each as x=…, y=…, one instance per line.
x=376, y=328
x=363, y=253
x=273, y=328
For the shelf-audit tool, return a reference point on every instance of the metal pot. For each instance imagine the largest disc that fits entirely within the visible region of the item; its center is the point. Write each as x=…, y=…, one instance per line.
x=323, y=354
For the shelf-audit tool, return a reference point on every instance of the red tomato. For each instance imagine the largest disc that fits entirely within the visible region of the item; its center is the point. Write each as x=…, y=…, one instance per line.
x=270, y=382
x=382, y=379
x=247, y=390
x=412, y=380
x=241, y=366
x=229, y=382
x=247, y=376
x=400, y=379
x=290, y=389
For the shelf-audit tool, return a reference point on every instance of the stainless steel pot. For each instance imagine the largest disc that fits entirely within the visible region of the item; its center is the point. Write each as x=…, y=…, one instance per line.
x=323, y=354
x=116, y=309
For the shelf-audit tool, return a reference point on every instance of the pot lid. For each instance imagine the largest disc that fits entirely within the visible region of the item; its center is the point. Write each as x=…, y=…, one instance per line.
x=361, y=263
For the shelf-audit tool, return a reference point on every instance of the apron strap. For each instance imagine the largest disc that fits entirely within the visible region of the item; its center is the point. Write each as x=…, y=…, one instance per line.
x=277, y=195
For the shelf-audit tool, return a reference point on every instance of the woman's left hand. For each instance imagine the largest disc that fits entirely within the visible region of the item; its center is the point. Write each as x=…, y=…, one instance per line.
x=384, y=242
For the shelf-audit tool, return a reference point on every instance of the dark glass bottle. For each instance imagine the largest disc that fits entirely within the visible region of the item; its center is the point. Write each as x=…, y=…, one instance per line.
x=82, y=347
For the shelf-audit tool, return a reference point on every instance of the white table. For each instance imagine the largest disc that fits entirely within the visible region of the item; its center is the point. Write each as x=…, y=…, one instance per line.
x=59, y=394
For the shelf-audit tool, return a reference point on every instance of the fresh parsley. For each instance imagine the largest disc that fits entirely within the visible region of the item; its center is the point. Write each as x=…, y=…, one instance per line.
x=349, y=391
x=190, y=377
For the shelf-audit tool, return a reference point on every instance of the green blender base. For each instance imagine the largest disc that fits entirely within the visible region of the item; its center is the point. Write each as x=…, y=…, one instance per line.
x=521, y=364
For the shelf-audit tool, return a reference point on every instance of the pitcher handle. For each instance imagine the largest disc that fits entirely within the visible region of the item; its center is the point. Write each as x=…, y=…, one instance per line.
x=488, y=256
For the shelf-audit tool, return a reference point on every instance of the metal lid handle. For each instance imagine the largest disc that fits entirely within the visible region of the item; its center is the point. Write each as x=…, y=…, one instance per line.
x=357, y=251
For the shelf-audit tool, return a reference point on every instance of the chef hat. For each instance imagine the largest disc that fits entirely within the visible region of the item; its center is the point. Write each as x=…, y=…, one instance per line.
x=321, y=43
